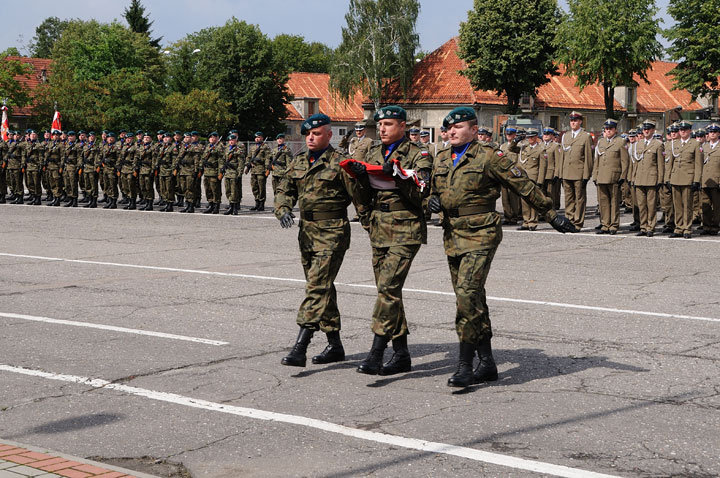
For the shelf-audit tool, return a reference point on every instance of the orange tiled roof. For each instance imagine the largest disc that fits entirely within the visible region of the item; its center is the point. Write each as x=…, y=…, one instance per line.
x=659, y=96
x=315, y=85
x=32, y=80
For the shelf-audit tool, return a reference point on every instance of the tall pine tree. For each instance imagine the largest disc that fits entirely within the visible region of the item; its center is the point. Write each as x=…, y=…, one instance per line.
x=138, y=22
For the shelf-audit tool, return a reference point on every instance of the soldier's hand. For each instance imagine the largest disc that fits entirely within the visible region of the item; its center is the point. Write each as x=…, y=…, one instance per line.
x=175, y=172
x=135, y=174
x=60, y=170
x=434, y=204
x=388, y=168
x=220, y=176
x=695, y=187
x=80, y=172
x=562, y=224
x=358, y=169
x=287, y=220
x=97, y=170
x=620, y=181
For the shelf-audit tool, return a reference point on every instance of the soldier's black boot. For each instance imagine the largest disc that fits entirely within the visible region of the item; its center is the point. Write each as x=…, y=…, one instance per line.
x=191, y=207
x=2, y=198
x=261, y=206
x=334, y=352
x=185, y=209
x=148, y=205
x=373, y=362
x=486, y=371
x=85, y=198
x=296, y=357
x=124, y=200
x=255, y=207
x=132, y=205
x=113, y=203
x=463, y=376
x=210, y=208
x=49, y=197
x=180, y=200
x=56, y=202
x=217, y=208
x=169, y=207
x=109, y=203
x=236, y=208
x=69, y=203
x=38, y=200
x=230, y=210
x=400, y=360
x=18, y=199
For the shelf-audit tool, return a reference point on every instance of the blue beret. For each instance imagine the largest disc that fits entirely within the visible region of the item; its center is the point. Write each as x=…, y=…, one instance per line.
x=510, y=129
x=459, y=115
x=314, y=121
x=390, y=112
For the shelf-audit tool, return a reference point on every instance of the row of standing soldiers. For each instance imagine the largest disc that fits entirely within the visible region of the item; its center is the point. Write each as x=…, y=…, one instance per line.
x=130, y=169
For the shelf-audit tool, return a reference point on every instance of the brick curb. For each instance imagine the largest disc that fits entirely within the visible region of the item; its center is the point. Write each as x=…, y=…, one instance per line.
x=18, y=460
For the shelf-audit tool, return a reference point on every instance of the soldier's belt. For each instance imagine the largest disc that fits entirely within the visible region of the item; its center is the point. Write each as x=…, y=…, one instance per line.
x=385, y=207
x=322, y=215
x=469, y=211
x=53, y=160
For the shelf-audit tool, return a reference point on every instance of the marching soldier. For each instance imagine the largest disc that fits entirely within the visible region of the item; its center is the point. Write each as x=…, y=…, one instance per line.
x=145, y=160
x=685, y=172
x=710, y=182
x=530, y=160
x=281, y=157
x=185, y=169
x=512, y=209
x=13, y=157
x=70, y=165
x=90, y=164
x=647, y=172
x=610, y=170
x=52, y=168
x=210, y=167
x=466, y=186
x=257, y=163
x=575, y=168
x=33, y=156
x=163, y=169
x=323, y=192
x=360, y=144
x=231, y=165
x=397, y=229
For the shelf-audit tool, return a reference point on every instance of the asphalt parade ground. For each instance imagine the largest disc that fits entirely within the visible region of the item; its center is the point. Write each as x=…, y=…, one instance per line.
x=129, y=334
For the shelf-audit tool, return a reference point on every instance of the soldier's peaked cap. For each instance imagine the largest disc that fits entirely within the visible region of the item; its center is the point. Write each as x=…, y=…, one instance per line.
x=713, y=128
x=531, y=132
x=314, y=121
x=459, y=115
x=610, y=123
x=424, y=133
x=648, y=124
x=359, y=127
x=632, y=133
x=575, y=115
x=414, y=131
x=483, y=130
x=673, y=128
x=390, y=112
x=684, y=125
x=548, y=131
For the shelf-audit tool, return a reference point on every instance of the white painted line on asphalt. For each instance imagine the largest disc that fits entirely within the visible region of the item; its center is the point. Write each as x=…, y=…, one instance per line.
x=113, y=328
x=377, y=437
x=368, y=286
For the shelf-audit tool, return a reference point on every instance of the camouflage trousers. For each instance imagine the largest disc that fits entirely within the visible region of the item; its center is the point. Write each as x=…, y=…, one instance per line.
x=54, y=180
x=167, y=188
x=319, y=309
x=233, y=189
x=186, y=183
x=468, y=273
x=14, y=179
x=258, y=184
x=276, y=182
x=90, y=182
x=110, y=184
x=391, y=266
x=33, y=182
x=147, y=186
x=129, y=185
x=3, y=182
x=70, y=176
x=213, y=188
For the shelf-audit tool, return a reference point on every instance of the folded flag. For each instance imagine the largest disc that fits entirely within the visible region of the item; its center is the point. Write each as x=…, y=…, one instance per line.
x=379, y=180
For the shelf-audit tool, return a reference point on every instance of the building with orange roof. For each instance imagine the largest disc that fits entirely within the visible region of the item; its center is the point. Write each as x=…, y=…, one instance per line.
x=40, y=70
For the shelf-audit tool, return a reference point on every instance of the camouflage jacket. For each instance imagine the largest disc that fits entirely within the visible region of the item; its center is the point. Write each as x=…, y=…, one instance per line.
x=259, y=162
x=72, y=155
x=53, y=154
x=468, y=193
x=232, y=161
x=406, y=224
x=13, y=155
x=126, y=160
x=187, y=161
x=90, y=156
x=210, y=161
x=320, y=186
x=164, y=159
x=279, y=160
x=110, y=155
x=33, y=155
x=145, y=158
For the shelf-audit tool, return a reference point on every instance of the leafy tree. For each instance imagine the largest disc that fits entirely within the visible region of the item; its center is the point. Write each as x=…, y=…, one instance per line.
x=11, y=51
x=378, y=46
x=608, y=42
x=105, y=76
x=236, y=60
x=182, y=62
x=508, y=46
x=293, y=53
x=138, y=22
x=694, y=40
x=198, y=109
x=46, y=35
x=10, y=88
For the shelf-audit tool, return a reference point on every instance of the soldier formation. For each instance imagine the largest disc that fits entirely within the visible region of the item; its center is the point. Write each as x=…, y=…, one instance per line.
x=133, y=169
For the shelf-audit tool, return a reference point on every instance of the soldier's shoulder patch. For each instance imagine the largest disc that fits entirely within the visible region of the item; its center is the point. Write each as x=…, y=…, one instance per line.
x=424, y=152
x=516, y=171
x=500, y=153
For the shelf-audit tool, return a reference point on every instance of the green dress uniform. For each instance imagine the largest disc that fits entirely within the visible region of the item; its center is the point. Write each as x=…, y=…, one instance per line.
x=710, y=183
x=164, y=159
x=610, y=170
x=685, y=168
x=259, y=162
x=145, y=158
x=231, y=166
x=279, y=160
x=647, y=172
x=210, y=167
x=323, y=192
x=530, y=159
x=51, y=165
x=551, y=186
x=13, y=158
x=33, y=155
x=575, y=170
x=359, y=147
x=71, y=163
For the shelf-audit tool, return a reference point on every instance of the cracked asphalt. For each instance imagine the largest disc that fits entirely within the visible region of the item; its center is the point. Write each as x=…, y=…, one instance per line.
x=615, y=392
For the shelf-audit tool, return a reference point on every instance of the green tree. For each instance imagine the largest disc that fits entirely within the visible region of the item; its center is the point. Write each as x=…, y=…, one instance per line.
x=138, y=22
x=236, y=60
x=11, y=51
x=608, y=42
x=46, y=34
x=198, y=109
x=182, y=62
x=378, y=47
x=508, y=46
x=694, y=40
x=293, y=53
x=105, y=76
x=10, y=88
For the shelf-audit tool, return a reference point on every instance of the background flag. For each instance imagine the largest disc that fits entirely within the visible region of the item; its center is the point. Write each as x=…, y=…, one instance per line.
x=5, y=128
x=56, y=124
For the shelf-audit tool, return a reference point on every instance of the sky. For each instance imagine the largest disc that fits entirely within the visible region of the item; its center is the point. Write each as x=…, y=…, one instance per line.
x=316, y=20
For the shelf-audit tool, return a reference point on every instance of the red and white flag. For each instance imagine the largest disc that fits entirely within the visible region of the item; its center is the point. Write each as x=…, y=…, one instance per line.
x=379, y=180
x=5, y=128
x=56, y=124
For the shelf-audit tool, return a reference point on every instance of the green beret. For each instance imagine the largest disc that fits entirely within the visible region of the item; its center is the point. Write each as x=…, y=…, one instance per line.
x=187, y=134
x=213, y=134
x=147, y=133
x=81, y=132
x=281, y=135
x=105, y=131
x=162, y=132
x=139, y=132
x=390, y=112
x=233, y=131
x=194, y=133
x=71, y=133
x=110, y=134
x=91, y=133
x=232, y=136
x=313, y=122
x=259, y=134
x=176, y=132
x=459, y=115
x=167, y=135
x=55, y=132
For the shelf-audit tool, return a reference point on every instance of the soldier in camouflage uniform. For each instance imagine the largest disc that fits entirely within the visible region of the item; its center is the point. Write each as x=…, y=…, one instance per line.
x=70, y=165
x=512, y=209
x=33, y=155
x=110, y=156
x=145, y=158
x=466, y=185
x=197, y=149
x=128, y=169
x=210, y=168
x=187, y=165
x=231, y=166
x=279, y=159
x=397, y=229
x=157, y=146
x=163, y=169
x=90, y=167
x=3, y=171
x=323, y=191
x=13, y=156
x=51, y=167
x=257, y=164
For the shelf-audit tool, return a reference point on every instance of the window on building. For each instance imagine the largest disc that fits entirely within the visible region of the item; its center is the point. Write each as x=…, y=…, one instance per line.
x=288, y=130
x=554, y=122
x=342, y=131
x=311, y=108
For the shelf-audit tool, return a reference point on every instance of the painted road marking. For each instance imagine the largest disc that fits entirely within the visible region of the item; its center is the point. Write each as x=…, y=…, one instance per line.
x=377, y=437
x=369, y=286
x=113, y=328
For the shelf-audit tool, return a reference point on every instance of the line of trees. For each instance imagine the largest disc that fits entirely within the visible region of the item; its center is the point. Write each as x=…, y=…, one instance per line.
x=112, y=75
